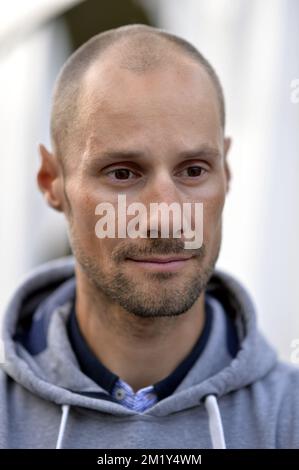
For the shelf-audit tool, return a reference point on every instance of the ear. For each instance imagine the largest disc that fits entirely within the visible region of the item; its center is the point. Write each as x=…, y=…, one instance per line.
x=50, y=179
x=227, y=145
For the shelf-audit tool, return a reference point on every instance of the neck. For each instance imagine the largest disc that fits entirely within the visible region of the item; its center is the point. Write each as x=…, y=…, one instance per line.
x=141, y=351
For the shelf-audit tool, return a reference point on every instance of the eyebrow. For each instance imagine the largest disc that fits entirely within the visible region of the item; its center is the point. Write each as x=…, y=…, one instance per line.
x=112, y=155
x=203, y=150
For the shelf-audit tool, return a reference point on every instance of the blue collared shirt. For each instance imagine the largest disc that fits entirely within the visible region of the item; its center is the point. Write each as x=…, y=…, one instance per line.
x=119, y=390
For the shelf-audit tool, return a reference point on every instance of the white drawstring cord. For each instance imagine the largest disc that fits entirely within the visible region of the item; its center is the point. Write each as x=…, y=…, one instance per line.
x=215, y=423
x=64, y=417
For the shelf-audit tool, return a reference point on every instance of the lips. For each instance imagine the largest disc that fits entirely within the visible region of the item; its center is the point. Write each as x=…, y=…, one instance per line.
x=160, y=263
x=161, y=259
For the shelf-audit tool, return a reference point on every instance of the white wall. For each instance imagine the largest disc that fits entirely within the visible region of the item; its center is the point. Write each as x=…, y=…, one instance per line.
x=26, y=77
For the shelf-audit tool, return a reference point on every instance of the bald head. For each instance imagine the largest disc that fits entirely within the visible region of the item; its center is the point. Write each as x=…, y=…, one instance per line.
x=136, y=48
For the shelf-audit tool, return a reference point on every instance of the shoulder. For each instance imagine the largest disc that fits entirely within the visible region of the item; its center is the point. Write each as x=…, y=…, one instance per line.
x=285, y=377
x=281, y=393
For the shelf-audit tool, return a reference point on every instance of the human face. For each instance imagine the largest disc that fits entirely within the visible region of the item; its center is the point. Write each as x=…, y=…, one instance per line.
x=154, y=137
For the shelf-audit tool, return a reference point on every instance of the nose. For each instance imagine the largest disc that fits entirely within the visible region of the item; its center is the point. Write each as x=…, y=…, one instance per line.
x=163, y=201
x=161, y=188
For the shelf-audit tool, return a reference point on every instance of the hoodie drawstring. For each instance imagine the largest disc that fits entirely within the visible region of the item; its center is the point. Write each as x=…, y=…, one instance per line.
x=64, y=417
x=215, y=423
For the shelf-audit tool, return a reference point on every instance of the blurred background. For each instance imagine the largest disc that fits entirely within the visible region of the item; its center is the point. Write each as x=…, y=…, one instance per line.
x=254, y=47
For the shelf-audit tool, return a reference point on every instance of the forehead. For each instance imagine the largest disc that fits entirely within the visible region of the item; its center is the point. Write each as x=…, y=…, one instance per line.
x=174, y=101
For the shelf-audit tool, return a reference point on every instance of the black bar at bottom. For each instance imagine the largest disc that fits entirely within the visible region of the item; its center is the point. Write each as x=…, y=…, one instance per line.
x=134, y=458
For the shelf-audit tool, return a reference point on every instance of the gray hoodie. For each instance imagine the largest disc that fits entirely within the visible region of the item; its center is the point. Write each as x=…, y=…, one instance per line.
x=46, y=401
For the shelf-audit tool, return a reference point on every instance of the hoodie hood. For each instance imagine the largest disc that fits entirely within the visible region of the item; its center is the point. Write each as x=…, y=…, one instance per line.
x=50, y=381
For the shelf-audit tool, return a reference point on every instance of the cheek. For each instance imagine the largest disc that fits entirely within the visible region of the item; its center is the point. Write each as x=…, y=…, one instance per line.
x=85, y=196
x=212, y=214
x=83, y=222
x=82, y=218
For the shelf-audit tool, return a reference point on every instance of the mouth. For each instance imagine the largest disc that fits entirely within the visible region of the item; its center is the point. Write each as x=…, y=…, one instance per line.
x=161, y=263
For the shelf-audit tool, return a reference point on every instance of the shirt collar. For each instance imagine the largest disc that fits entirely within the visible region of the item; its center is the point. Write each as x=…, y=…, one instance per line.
x=93, y=368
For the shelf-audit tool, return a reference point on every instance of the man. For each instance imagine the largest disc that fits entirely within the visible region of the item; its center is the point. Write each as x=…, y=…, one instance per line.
x=139, y=342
